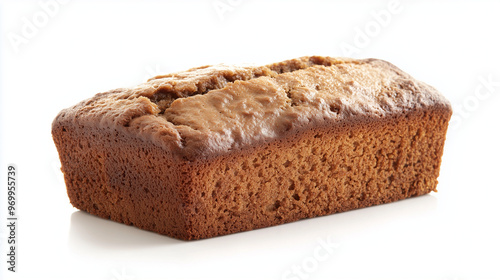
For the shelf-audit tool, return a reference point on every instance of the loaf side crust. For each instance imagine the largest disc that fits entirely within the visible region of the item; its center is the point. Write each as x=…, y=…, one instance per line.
x=328, y=169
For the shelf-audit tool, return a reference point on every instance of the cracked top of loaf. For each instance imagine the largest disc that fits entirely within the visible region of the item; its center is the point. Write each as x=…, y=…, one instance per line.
x=215, y=109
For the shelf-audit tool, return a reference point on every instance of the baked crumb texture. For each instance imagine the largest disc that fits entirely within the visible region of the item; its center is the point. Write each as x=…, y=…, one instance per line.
x=223, y=149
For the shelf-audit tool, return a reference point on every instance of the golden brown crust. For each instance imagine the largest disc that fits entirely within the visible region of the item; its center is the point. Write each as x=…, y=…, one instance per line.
x=211, y=110
x=218, y=150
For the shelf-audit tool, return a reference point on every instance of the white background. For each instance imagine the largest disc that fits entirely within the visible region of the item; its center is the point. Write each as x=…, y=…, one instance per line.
x=79, y=48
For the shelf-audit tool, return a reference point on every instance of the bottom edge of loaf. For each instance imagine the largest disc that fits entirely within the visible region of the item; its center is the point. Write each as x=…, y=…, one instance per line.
x=191, y=237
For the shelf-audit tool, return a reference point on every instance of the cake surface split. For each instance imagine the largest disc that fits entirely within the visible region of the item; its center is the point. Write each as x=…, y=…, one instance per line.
x=222, y=149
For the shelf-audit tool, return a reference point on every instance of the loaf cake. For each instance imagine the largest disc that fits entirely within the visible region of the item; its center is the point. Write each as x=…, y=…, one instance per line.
x=222, y=149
